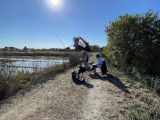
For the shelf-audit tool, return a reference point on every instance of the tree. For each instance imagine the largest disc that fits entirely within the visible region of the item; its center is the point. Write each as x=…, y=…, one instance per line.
x=25, y=49
x=78, y=47
x=95, y=47
x=67, y=48
x=10, y=49
x=134, y=40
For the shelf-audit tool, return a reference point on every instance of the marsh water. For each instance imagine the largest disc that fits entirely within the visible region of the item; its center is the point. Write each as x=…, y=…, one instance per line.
x=30, y=64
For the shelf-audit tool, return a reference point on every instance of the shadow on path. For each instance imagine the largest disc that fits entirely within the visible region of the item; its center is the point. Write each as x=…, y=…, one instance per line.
x=114, y=80
x=77, y=82
x=91, y=63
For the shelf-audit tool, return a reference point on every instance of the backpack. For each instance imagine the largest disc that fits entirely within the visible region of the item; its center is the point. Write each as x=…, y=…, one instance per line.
x=82, y=69
x=74, y=75
x=78, y=77
x=104, y=68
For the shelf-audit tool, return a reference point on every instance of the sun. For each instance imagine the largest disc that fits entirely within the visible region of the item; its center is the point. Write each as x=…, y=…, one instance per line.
x=55, y=3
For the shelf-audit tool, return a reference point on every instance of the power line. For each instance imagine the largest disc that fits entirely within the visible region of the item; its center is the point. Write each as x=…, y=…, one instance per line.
x=59, y=39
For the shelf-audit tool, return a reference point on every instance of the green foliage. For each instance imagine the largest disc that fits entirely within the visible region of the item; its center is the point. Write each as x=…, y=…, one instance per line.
x=95, y=48
x=74, y=59
x=67, y=48
x=25, y=49
x=21, y=77
x=134, y=40
x=142, y=111
x=78, y=47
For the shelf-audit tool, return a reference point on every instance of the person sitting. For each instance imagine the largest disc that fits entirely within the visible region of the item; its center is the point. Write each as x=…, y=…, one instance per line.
x=78, y=75
x=81, y=71
x=100, y=64
x=81, y=68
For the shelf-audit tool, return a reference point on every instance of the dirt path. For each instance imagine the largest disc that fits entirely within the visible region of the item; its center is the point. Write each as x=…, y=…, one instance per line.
x=100, y=98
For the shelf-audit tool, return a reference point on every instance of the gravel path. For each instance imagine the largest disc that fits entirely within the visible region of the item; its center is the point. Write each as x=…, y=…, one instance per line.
x=100, y=98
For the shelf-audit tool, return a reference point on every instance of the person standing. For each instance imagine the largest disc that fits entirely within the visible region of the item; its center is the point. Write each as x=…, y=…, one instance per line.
x=85, y=59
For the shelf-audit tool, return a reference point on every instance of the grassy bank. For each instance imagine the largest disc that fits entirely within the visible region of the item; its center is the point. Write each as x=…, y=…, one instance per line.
x=146, y=100
x=57, y=54
x=10, y=84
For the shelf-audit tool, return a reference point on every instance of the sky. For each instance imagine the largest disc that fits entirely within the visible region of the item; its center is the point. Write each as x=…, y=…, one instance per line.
x=47, y=23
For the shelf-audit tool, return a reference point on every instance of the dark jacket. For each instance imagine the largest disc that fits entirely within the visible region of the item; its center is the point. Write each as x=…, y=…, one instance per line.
x=104, y=68
x=81, y=70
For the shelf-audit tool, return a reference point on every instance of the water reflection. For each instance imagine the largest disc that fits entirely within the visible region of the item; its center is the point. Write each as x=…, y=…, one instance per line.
x=30, y=64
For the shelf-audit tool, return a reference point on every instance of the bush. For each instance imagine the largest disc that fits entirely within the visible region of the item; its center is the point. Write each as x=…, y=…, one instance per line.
x=74, y=59
x=133, y=40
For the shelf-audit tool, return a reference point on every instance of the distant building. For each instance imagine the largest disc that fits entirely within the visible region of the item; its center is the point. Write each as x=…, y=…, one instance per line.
x=29, y=50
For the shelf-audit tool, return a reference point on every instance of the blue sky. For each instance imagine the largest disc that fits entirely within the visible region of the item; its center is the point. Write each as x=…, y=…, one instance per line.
x=34, y=23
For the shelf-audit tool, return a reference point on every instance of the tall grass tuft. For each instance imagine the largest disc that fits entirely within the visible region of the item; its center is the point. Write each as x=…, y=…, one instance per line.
x=74, y=59
x=143, y=111
x=10, y=85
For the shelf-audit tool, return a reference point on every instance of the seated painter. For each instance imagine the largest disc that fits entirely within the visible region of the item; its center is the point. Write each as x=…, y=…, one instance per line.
x=100, y=64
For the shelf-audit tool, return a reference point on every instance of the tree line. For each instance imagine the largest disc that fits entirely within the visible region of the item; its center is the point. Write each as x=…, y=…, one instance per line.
x=134, y=43
x=75, y=45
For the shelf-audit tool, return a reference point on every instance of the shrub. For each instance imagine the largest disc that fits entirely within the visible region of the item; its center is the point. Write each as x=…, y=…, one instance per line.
x=74, y=59
x=133, y=40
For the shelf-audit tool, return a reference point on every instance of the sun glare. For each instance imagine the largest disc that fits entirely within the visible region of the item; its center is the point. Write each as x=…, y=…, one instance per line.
x=55, y=3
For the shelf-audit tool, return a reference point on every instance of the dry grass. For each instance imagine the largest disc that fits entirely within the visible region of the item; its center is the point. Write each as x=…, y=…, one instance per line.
x=11, y=83
x=146, y=99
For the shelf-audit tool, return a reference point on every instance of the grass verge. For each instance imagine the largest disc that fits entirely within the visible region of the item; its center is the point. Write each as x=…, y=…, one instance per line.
x=146, y=105
x=12, y=84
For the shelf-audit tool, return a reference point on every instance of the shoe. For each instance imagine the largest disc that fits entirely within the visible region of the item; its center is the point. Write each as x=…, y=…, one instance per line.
x=94, y=73
x=90, y=72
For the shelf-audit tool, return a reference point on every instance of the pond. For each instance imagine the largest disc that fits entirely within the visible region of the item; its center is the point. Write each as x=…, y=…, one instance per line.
x=30, y=64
